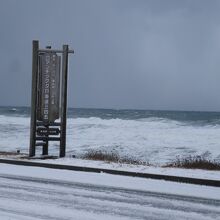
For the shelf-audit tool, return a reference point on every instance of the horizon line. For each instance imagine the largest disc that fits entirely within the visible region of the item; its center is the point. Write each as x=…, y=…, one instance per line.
x=118, y=109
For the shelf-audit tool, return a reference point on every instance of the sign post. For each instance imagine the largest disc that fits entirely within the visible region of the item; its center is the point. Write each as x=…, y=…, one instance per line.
x=48, y=98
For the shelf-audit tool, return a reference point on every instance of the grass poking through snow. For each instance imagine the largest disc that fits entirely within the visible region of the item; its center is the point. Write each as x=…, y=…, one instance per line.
x=111, y=157
x=195, y=162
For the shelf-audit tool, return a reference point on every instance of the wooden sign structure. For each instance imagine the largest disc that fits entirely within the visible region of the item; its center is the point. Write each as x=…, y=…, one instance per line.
x=48, y=98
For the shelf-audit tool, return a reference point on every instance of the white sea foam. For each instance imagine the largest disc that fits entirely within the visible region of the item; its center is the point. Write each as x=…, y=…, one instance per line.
x=152, y=139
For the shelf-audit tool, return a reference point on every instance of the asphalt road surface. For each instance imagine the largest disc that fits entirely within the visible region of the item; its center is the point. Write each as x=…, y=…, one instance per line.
x=39, y=198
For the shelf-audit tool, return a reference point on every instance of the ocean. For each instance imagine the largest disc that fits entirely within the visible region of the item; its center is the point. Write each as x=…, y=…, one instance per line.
x=157, y=137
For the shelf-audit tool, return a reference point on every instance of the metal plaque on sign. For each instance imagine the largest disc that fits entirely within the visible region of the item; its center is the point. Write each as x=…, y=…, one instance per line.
x=41, y=131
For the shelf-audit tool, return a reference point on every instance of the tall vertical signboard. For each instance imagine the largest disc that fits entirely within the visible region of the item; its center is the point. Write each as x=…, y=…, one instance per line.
x=49, y=87
x=49, y=98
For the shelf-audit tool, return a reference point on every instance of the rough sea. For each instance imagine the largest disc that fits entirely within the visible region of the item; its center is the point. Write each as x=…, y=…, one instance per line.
x=157, y=137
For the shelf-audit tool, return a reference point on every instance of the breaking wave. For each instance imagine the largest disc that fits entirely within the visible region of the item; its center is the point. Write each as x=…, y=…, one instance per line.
x=154, y=139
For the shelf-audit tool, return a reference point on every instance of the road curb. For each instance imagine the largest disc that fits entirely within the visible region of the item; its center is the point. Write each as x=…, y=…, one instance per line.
x=207, y=182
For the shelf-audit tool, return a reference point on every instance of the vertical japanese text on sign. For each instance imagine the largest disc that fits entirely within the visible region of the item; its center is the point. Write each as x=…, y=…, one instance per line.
x=49, y=87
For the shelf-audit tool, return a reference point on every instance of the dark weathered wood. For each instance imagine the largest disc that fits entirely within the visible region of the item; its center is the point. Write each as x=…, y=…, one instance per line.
x=45, y=149
x=34, y=98
x=46, y=95
x=45, y=146
x=53, y=51
x=47, y=139
x=64, y=101
x=40, y=123
x=40, y=143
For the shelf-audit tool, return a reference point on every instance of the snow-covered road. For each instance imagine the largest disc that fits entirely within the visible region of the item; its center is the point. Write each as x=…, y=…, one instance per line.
x=26, y=194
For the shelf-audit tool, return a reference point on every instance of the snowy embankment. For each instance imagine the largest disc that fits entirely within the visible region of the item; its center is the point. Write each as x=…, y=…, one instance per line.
x=193, y=173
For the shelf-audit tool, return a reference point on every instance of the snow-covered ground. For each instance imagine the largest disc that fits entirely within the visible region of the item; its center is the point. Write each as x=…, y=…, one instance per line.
x=41, y=193
x=194, y=173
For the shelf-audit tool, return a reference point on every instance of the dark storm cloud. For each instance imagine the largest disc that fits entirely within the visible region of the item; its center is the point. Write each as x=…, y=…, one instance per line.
x=128, y=54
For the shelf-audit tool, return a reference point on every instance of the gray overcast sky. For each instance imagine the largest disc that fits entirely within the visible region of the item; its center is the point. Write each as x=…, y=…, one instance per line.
x=158, y=54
